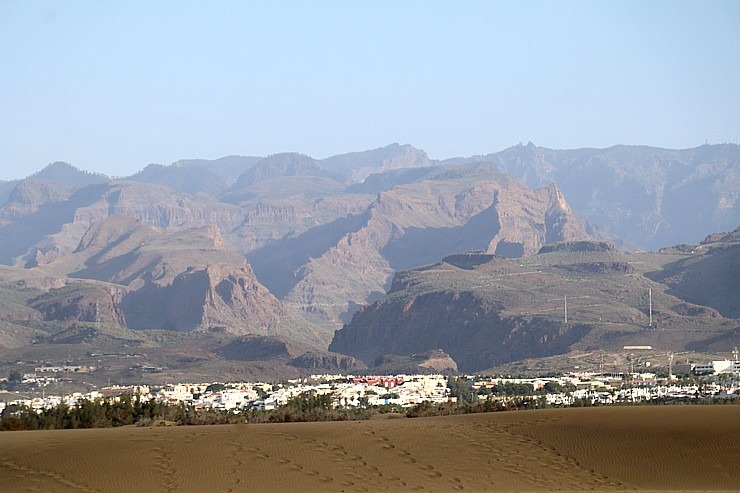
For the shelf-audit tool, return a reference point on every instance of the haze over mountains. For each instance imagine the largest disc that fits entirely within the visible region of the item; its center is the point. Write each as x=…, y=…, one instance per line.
x=288, y=248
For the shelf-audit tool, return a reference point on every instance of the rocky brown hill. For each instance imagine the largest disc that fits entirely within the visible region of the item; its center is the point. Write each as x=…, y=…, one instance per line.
x=352, y=261
x=166, y=247
x=320, y=247
x=128, y=274
x=499, y=310
x=707, y=274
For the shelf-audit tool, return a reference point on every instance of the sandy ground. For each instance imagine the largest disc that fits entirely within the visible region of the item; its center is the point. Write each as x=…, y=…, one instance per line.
x=607, y=449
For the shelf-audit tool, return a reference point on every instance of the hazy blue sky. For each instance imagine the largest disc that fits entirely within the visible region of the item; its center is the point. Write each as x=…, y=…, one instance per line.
x=113, y=86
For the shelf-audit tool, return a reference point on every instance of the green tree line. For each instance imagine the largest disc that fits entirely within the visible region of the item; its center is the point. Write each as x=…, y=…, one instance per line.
x=127, y=410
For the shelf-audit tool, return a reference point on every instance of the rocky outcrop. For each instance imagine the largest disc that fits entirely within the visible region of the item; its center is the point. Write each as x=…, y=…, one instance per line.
x=217, y=295
x=578, y=246
x=470, y=260
x=315, y=361
x=438, y=361
x=30, y=195
x=182, y=280
x=82, y=302
x=506, y=310
x=599, y=268
x=258, y=348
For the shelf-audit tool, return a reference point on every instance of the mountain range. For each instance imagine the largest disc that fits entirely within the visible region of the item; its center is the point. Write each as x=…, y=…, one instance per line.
x=270, y=256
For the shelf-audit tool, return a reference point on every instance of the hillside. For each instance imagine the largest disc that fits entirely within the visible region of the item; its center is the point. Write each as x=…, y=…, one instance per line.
x=485, y=310
x=195, y=308
x=289, y=247
x=197, y=175
x=330, y=271
x=43, y=221
x=708, y=275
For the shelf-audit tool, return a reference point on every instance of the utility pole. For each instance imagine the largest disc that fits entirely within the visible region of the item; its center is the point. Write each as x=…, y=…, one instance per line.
x=670, y=365
x=565, y=307
x=650, y=296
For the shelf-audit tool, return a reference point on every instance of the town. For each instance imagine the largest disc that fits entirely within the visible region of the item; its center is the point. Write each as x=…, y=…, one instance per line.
x=712, y=381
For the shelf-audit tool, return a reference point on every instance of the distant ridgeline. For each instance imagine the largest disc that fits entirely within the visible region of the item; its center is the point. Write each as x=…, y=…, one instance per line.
x=294, y=249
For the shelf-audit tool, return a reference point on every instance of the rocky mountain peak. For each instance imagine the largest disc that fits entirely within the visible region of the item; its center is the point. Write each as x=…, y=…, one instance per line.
x=558, y=199
x=359, y=165
x=60, y=172
x=283, y=164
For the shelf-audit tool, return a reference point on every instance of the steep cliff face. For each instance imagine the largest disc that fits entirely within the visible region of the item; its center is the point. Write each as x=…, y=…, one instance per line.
x=182, y=280
x=469, y=329
x=84, y=303
x=157, y=206
x=420, y=224
x=314, y=361
x=218, y=295
x=647, y=196
x=268, y=221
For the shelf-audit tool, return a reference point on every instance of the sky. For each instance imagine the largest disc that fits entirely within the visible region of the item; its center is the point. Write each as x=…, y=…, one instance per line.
x=113, y=86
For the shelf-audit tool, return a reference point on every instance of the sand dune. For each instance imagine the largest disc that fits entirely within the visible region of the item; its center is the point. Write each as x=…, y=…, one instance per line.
x=648, y=448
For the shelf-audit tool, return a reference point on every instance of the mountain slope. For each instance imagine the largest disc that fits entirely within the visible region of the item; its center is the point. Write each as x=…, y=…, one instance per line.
x=647, y=196
x=352, y=261
x=709, y=273
x=197, y=175
x=152, y=279
x=43, y=221
x=356, y=166
x=485, y=310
